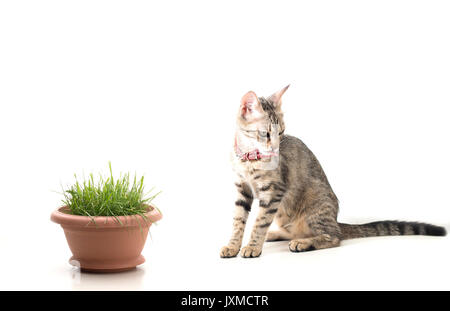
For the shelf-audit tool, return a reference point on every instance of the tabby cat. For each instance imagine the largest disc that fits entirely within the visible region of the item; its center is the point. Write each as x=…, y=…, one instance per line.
x=285, y=176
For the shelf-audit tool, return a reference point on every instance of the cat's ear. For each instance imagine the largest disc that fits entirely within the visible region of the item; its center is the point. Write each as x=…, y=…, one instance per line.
x=276, y=97
x=250, y=106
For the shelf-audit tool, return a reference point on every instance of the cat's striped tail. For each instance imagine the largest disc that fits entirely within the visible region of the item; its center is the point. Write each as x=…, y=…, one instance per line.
x=389, y=227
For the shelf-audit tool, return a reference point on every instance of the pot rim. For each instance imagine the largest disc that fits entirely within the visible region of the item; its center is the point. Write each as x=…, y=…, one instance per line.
x=65, y=219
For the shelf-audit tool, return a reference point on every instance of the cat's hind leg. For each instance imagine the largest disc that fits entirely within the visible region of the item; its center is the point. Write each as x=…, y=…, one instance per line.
x=324, y=231
x=317, y=242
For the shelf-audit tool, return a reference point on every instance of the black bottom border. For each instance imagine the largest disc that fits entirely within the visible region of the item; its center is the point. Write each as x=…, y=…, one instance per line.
x=228, y=300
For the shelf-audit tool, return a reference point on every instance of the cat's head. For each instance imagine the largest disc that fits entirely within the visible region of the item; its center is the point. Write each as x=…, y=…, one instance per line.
x=260, y=119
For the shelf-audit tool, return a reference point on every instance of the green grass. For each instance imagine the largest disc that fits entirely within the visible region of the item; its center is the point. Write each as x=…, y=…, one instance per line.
x=108, y=196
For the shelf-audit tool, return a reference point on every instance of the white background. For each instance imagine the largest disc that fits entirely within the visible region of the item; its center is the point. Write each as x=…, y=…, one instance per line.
x=154, y=87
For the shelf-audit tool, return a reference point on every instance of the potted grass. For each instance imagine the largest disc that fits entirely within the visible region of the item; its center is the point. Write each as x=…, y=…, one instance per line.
x=106, y=222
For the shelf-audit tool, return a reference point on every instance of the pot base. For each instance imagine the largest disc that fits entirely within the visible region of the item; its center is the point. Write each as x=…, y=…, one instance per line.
x=106, y=267
x=106, y=270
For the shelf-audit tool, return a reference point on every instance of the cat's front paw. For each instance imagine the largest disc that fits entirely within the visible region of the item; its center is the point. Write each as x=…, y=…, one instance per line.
x=251, y=251
x=229, y=251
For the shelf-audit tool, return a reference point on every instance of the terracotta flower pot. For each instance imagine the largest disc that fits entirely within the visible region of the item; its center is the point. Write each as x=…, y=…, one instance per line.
x=106, y=245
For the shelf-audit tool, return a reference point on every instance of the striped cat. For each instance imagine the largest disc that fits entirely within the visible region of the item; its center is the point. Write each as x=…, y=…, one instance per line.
x=285, y=176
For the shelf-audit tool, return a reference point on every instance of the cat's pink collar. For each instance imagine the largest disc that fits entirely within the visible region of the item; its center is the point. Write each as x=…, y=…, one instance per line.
x=252, y=155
